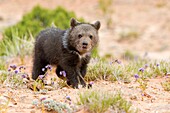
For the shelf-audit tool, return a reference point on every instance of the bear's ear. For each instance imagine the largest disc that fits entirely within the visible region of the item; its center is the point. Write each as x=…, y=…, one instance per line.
x=97, y=25
x=73, y=22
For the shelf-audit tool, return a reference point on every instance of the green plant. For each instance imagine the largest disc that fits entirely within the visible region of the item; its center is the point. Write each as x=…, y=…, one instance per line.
x=128, y=55
x=161, y=4
x=106, y=8
x=95, y=53
x=52, y=105
x=40, y=18
x=118, y=71
x=14, y=77
x=18, y=39
x=16, y=46
x=4, y=104
x=40, y=82
x=98, y=70
x=2, y=64
x=166, y=84
x=98, y=101
x=128, y=35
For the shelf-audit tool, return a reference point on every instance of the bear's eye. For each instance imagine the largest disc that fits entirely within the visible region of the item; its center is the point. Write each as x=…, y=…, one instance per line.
x=79, y=35
x=90, y=36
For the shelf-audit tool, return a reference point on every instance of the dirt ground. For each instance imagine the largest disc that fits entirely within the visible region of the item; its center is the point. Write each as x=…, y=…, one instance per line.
x=150, y=18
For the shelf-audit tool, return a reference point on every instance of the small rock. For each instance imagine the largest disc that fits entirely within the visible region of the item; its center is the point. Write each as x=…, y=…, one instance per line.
x=25, y=80
x=32, y=111
x=49, y=88
x=168, y=74
x=133, y=97
x=1, y=18
x=43, y=91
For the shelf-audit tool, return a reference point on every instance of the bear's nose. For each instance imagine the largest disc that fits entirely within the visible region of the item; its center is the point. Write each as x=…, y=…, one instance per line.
x=85, y=43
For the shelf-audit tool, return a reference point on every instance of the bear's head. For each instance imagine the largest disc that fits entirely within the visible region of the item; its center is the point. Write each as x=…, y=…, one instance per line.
x=83, y=36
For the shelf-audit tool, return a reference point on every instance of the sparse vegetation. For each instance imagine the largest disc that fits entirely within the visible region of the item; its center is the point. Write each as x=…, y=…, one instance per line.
x=119, y=71
x=19, y=39
x=16, y=46
x=106, y=6
x=38, y=19
x=14, y=76
x=129, y=55
x=118, y=85
x=166, y=84
x=161, y=4
x=2, y=64
x=4, y=104
x=98, y=101
x=52, y=105
x=128, y=35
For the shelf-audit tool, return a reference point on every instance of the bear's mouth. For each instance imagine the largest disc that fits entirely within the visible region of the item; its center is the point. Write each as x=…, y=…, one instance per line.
x=84, y=47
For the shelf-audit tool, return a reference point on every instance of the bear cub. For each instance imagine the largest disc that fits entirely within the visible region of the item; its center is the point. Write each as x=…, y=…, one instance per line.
x=69, y=50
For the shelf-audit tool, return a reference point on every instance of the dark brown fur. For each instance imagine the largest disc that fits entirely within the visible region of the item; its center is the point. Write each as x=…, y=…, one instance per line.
x=68, y=49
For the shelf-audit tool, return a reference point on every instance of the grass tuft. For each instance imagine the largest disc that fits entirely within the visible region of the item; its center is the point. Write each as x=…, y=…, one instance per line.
x=98, y=101
x=117, y=70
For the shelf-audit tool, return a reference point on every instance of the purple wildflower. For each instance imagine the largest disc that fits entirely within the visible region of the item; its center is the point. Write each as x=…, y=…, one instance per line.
x=24, y=76
x=68, y=98
x=43, y=69
x=69, y=103
x=43, y=98
x=16, y=71
x=13, y=67
x=41, y=77
x=21, y=67
x=48, y=67
x=141, y=70
x=118, y=61
x=52, y=83
x=143, y=94
x=146, y=66
x=9, y=69
x=157, y=65
x=63, y=73
x=166, y=76
x=91, y=83
x=136, y=76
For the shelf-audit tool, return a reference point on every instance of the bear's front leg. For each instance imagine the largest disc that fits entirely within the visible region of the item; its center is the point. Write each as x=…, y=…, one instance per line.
x=84, y=62
x=71, y=64
x=74, y=77
x=83, y=70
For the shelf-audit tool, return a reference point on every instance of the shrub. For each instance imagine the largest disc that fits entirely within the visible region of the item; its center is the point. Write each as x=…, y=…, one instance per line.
x=40, y=18
x=107, y=9
x=17, y=39
x=128, y=34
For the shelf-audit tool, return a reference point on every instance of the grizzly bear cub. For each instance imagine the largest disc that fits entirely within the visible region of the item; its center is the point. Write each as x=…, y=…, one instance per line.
x=68, y=49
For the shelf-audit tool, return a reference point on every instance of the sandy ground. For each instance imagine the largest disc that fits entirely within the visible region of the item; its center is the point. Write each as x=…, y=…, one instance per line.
x=156, y=101
x=151, y=19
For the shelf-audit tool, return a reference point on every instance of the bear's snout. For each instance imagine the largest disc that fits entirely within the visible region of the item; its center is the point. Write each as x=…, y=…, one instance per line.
x=84, y=44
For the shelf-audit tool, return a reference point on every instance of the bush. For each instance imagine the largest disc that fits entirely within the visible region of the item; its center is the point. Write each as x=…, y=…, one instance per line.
x=40, y=18
x=15, y=38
